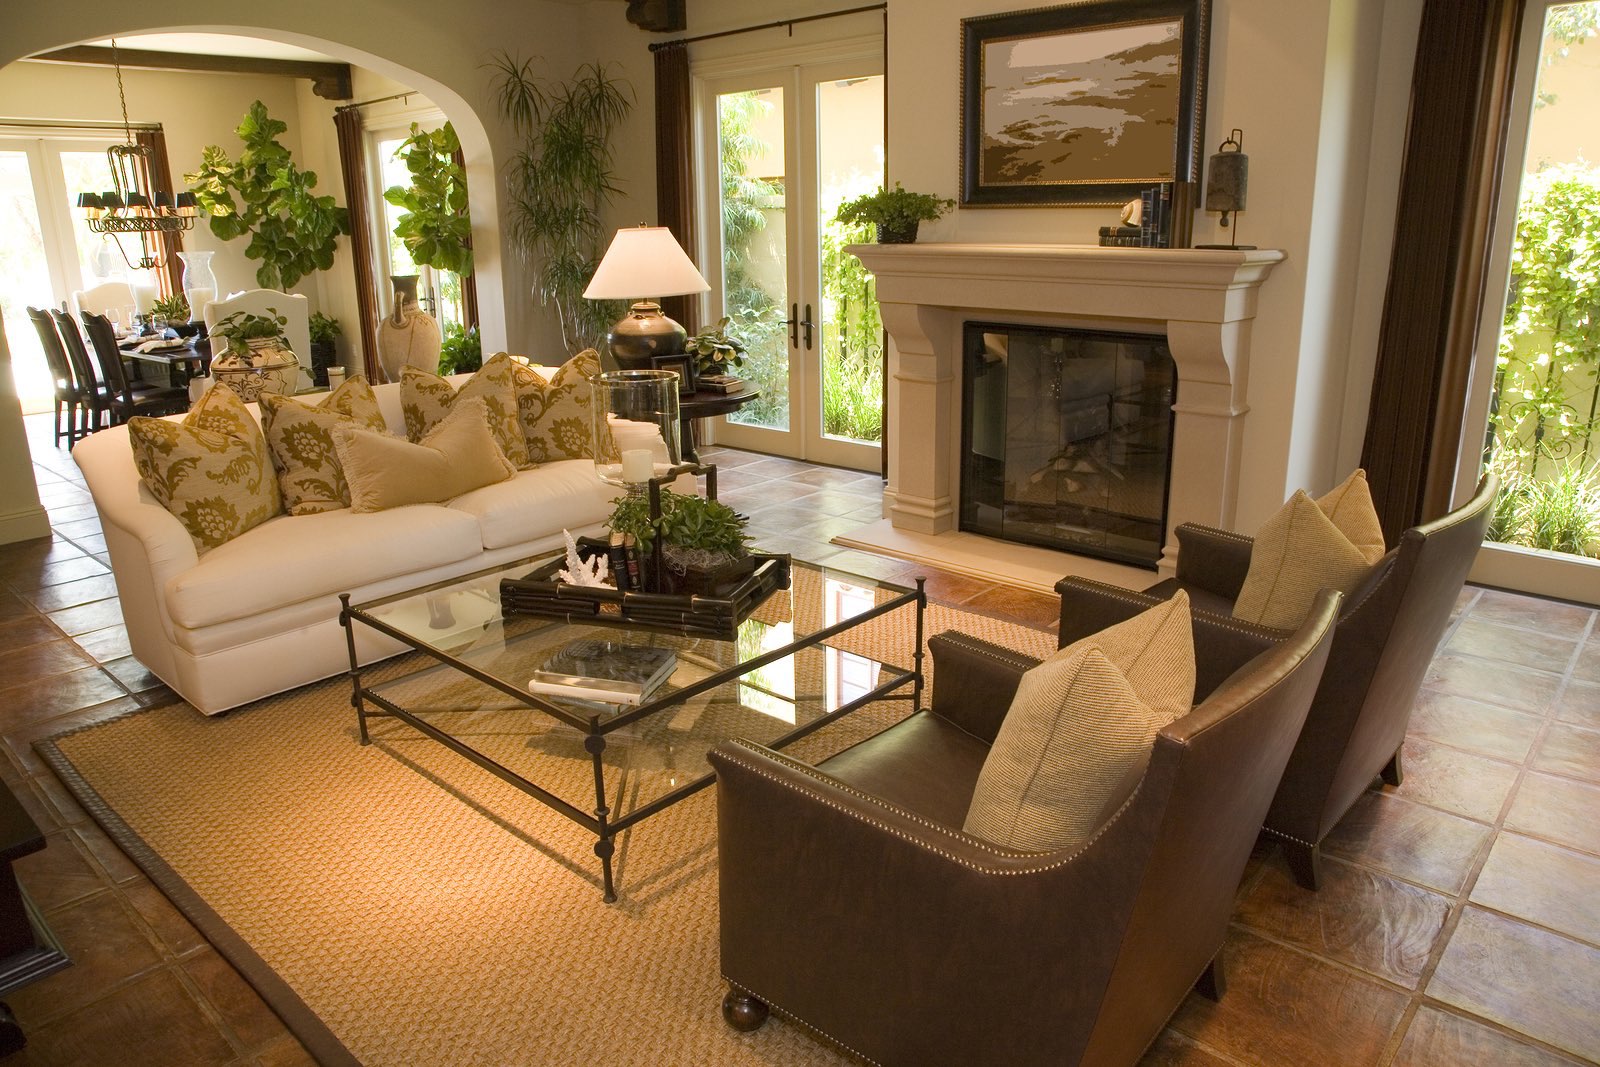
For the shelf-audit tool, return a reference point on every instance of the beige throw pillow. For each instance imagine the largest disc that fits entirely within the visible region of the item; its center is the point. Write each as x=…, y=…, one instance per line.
x=1308, y=545
x=301, y=439
x=384, y=471
x=1080, y=730
x=211, y=470
x=427, y=398
x=555, y=413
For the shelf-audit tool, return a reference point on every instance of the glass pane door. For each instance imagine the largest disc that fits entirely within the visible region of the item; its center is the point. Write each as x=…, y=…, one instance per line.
x=27, y=275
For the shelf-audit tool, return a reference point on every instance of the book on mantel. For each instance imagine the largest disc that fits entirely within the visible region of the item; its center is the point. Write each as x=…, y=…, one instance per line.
x=611, y=672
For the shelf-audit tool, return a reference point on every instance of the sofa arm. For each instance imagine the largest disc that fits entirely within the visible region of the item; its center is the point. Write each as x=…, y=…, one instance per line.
x=974, y=681
x=1212, y=559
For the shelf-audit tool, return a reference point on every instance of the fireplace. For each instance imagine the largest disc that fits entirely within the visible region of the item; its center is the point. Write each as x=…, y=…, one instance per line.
x=1067, y=439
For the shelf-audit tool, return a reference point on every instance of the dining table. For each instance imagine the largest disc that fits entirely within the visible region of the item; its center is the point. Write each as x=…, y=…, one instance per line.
x=183, y=358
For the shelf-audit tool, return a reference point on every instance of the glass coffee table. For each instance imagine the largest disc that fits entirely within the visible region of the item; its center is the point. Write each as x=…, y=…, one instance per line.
x=608, y=768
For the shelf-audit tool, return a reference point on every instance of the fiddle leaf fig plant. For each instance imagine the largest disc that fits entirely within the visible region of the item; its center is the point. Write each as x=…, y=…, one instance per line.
x=264, y=195
x=435, y=229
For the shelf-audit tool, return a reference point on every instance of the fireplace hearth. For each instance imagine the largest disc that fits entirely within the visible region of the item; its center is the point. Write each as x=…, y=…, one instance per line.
x=1067, y=439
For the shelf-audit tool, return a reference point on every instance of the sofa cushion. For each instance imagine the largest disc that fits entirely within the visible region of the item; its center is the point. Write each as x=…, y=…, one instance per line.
x=555, y=412
x=456, y=456
x=1079, y=731
x=564, y=495
x=300, y=436
x=1308, y=545
x=295, y=558
x=427, y=398
x=211, y=469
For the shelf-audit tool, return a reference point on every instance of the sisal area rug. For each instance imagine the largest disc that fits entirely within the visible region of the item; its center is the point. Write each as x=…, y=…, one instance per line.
x=396, y=905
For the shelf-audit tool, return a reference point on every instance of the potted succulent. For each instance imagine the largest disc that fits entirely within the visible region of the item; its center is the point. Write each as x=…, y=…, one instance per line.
x=895, y=212
x=704, y=547
x=324, y=349
x=257, y=358
x=714, y=351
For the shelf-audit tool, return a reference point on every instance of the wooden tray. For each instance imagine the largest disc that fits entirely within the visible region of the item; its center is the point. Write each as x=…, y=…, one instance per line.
x=539, y=593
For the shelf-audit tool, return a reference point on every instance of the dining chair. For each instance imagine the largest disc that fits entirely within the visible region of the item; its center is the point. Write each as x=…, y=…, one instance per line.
x=68, y=398
x=127, y=401
x=96, y=397
x=104, y=299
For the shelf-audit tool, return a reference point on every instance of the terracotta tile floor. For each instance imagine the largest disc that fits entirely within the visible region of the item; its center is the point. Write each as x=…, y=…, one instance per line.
x=1458, y=925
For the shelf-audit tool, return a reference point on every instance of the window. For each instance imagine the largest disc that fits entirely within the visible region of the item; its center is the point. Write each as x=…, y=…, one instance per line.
x=439, y=291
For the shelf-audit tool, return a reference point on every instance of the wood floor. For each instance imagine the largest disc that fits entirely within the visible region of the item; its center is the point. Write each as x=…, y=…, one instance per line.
x=1459, y=922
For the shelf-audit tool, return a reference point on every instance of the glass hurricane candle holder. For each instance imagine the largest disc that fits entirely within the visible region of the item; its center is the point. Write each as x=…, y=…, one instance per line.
x=635, y=425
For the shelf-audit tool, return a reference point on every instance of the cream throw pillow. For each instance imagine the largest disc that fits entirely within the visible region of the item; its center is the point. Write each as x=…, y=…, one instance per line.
x=1308, y=545
x=301, y=439
x=384, y=471
x=427, y=398
x=555, y=413
x=1079, y=731
x=211, y=470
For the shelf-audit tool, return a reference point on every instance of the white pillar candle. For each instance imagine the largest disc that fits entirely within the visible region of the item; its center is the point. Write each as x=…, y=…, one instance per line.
x=637, y=465
x=335, y=378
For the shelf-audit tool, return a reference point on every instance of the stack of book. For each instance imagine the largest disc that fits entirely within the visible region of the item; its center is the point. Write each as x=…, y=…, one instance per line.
x=609, y=674
x=1155, y=222
x=720, y=383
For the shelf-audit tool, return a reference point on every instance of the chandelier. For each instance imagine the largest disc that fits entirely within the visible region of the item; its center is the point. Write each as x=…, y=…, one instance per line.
x=134, y=206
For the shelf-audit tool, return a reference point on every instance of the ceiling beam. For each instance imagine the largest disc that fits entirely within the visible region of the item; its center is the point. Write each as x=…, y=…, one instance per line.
x=330, y=81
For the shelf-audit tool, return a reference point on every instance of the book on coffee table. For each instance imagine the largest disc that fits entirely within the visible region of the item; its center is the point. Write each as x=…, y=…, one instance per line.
x=611, y=672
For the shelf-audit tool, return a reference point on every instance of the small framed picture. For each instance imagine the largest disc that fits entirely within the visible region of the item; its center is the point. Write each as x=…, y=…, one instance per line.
x=683, y=363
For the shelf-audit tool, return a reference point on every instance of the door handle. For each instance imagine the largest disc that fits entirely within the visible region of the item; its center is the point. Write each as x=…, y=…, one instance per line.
x=808, y=324
x=793, y=322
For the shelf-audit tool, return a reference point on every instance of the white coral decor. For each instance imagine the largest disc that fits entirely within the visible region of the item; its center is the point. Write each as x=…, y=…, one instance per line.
x=577, y=572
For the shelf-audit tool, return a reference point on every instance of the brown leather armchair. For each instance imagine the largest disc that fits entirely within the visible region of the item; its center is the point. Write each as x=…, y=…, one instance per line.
x=852, y=901
x=1388, y=631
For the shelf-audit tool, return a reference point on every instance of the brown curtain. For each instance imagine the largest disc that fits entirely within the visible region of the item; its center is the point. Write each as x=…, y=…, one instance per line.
x=353, y=165
x=469, y=283
x=675, y=165
x=170, y=277
x=1450, y=182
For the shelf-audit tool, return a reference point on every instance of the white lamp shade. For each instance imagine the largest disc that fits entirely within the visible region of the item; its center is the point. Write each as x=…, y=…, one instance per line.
x=644, y=261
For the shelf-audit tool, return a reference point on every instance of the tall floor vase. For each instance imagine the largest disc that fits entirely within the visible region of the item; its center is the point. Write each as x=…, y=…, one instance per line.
x=408, y=336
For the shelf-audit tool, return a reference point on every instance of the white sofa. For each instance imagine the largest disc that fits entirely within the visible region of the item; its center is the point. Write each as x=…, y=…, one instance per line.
x=260, y=614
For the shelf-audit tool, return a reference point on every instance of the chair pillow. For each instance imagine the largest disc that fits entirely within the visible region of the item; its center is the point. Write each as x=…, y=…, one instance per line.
x=427, y=398
x=555, y=413
x=1080, y=729
x=211, y=470
x=300, y=437
x=1305, y=546
x=384, y=471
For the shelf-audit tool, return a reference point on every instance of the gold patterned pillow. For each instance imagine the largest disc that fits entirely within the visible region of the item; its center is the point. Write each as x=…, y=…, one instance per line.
x=555, y=413
x=300, y=437
x=427, y=398
x=211, y=470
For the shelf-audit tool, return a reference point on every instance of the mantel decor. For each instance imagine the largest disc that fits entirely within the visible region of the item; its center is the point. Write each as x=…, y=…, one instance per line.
x=1088, y=103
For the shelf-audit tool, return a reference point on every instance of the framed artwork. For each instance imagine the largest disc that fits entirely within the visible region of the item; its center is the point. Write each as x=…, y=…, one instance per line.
x=684, y=364
x=1089, y=103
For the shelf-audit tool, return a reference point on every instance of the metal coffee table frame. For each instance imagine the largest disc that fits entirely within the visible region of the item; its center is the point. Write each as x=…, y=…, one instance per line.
x=594, y=728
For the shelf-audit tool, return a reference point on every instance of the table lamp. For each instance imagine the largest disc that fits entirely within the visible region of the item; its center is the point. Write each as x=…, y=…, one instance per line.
x=644, y=260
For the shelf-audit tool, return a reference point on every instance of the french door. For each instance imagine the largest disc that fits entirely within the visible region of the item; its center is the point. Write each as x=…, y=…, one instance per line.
x=785, y=144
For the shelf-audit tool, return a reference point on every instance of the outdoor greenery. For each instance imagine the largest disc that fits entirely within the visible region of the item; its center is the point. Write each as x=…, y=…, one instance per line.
x=1547, y=394
x=558, y=181
x=435, y=229
x=263, y=194
x=461, y=350
x=852, y=339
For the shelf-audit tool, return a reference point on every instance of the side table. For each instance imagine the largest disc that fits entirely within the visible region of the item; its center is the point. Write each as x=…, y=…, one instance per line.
x=704, y=404
x=28, y=950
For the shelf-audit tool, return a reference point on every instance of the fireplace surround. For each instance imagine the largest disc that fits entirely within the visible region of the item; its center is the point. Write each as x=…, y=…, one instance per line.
x=1202, y=301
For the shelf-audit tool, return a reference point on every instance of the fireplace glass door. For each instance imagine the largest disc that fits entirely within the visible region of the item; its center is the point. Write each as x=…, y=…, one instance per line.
x=1066, y=439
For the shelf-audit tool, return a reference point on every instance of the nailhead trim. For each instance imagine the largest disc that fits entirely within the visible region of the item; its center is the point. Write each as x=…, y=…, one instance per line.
x=1270, y=633
x=787, y=1014
x=1281, y=836
x=982, y=648
x=1231, y=535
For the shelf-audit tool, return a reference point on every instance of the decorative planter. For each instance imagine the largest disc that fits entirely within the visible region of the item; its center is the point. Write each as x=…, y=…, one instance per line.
x=700, y=573
x=269, y=366
x=900, y=235
x=324, y=354
x=407, y=337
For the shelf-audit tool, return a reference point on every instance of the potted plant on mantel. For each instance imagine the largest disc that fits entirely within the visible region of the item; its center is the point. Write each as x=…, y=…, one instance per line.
x=895, y=212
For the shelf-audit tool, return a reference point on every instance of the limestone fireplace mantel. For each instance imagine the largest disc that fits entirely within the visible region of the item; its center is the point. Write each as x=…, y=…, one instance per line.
x=1202, y=300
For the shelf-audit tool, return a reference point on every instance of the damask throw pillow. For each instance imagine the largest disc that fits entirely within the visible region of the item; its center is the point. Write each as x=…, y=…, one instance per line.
x=1307, y=545
x=427, y=398
x=1079, y=732
x=300, y=437
x=211, y=470
x=555, y=413
x=459, y=455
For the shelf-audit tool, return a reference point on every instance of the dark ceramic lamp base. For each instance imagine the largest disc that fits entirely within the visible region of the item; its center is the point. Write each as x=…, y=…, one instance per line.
x=643, y=333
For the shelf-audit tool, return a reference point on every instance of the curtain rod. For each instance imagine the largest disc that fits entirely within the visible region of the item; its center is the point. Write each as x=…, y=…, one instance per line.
x=73, y=124
x=790, y=23
x=379, y=100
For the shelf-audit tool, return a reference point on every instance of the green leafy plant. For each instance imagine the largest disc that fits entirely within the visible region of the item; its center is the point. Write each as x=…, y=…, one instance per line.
x=175, y=308
x=631, y=515
x=242, y=327
x=435, y=229
x=696, y=523
x=461, y=350
x=324, y=328
x=558, y=181
x=715, y=351
x=895, y=212
x=292, y=231
x=1561, y=513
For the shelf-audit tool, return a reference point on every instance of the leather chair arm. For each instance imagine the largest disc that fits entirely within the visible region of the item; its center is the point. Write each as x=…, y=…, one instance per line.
x=974, y=681
x=1215, y=560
